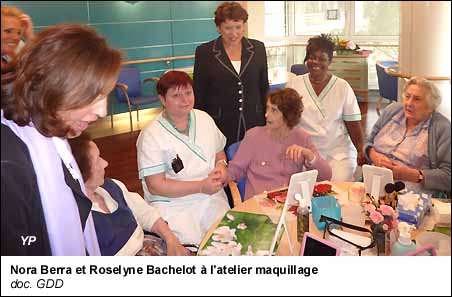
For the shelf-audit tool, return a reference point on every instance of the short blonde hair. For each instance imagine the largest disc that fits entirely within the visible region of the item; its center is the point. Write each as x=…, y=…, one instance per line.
x=433, y=93
x=11, y=11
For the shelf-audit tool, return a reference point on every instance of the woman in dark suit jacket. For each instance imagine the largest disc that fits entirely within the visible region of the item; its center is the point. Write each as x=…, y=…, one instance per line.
x=230, y=75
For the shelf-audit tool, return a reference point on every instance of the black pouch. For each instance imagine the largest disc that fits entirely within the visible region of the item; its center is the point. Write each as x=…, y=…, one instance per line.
x=333, y=223
x=177, y=164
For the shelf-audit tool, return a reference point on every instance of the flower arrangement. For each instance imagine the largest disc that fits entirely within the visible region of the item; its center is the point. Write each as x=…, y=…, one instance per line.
x=323, y=190
x=345, y=47
x=383, y=217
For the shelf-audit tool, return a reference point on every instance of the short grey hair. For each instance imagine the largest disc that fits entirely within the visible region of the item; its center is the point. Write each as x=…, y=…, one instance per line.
x=433, y=93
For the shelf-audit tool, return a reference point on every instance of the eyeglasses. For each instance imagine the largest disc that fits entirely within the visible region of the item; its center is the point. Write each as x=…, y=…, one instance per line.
x=332, y=224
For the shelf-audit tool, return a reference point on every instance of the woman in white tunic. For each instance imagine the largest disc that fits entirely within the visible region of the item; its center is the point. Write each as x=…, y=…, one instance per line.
x=177, y=156
x=332, y=115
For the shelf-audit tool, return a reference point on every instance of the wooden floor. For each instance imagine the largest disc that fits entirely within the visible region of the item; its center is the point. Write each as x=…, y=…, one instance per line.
x=120, y=149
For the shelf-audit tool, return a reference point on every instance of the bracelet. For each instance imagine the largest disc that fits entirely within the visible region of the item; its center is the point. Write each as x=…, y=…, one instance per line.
x=309, y=163
x=225, y=163
x=421, y=176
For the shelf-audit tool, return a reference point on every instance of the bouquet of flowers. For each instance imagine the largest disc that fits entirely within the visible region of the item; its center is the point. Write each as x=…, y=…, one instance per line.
x=383, y=218
x=323, y=190
x=345, y=47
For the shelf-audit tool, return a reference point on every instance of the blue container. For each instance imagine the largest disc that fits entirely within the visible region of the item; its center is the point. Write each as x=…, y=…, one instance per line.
x=415, y=217
x=327, y=206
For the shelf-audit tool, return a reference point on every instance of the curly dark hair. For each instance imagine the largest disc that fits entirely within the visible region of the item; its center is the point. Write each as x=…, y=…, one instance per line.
x=230, y=11
x=322, y=43
x=289, y=103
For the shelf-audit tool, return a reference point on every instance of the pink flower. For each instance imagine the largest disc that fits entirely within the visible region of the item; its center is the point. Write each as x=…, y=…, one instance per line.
x=369, y=207
x=376, y=217
x=350, y=45
x=385, y=227
x=386, y=210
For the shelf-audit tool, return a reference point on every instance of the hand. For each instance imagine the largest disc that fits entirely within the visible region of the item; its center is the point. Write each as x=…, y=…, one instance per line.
x=294, y=152
x=379, y=160
x=401, y=171
x=174, y=248
x=222, y=170
x=28, y=26
x=212, y=183
x=361, y=158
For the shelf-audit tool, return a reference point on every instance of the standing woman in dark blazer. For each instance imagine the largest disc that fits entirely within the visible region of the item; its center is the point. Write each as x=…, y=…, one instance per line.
x=230, y=75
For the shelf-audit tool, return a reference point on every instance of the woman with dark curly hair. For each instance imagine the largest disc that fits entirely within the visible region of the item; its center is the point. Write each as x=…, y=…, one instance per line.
x=332, y=116
x=283, y=148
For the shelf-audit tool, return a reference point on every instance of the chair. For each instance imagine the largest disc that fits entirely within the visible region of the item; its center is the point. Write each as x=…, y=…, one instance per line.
x=387, y=84
x=299, y=69
x=237, y=189
x=129, y=90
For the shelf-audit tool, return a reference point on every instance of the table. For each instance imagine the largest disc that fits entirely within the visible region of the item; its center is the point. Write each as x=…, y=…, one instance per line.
x=253, y=205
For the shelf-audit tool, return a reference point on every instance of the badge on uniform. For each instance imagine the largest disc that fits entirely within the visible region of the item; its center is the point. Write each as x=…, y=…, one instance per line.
x=177, y=164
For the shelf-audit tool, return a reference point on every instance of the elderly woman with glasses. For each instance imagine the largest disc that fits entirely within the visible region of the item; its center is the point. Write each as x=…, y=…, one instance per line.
x=413, y=140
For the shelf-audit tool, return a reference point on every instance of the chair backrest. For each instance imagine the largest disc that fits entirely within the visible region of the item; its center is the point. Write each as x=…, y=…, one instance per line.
x=387, y=84
x=298, y=69
x=230, y=152
x=131, y=77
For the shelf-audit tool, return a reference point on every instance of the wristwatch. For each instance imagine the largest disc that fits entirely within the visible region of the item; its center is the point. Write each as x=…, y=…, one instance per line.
x=421, y=176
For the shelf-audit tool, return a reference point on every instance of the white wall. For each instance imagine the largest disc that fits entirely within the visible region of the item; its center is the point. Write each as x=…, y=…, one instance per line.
x=425, y=44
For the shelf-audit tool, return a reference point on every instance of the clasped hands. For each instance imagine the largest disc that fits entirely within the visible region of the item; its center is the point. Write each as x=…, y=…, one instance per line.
x=400, y=171
x=215, y=180
x=218, y=177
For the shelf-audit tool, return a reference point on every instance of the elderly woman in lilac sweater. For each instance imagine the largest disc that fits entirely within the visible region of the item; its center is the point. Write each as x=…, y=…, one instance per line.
x=269, y=155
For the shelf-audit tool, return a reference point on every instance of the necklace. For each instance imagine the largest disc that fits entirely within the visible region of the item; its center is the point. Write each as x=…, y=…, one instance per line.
x=319, y=81
x=184, y=131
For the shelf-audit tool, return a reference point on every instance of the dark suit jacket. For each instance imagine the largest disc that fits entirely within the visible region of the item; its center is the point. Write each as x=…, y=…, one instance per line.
x=21, y=207
x=236, y=101
x=22, y=213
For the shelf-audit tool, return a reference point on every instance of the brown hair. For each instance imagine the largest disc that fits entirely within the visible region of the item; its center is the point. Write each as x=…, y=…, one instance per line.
x=289, y=103
x=64, y=67
x=230, y=11
x=80, y=150
x=173, y=79
x=11, y=11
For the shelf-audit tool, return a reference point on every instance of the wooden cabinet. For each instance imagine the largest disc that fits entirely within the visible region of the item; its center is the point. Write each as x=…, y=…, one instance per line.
x=353, y=69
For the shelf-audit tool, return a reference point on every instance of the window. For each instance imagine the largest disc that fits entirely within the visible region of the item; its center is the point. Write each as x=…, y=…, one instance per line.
x=275, y=19
x=373, y=25
x=377, y=18
x=316, y=17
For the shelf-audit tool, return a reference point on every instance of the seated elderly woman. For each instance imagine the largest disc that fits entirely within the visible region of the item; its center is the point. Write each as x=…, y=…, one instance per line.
x=270, y=154
x=177, y=154
x=119, y=215
x=413, y=140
